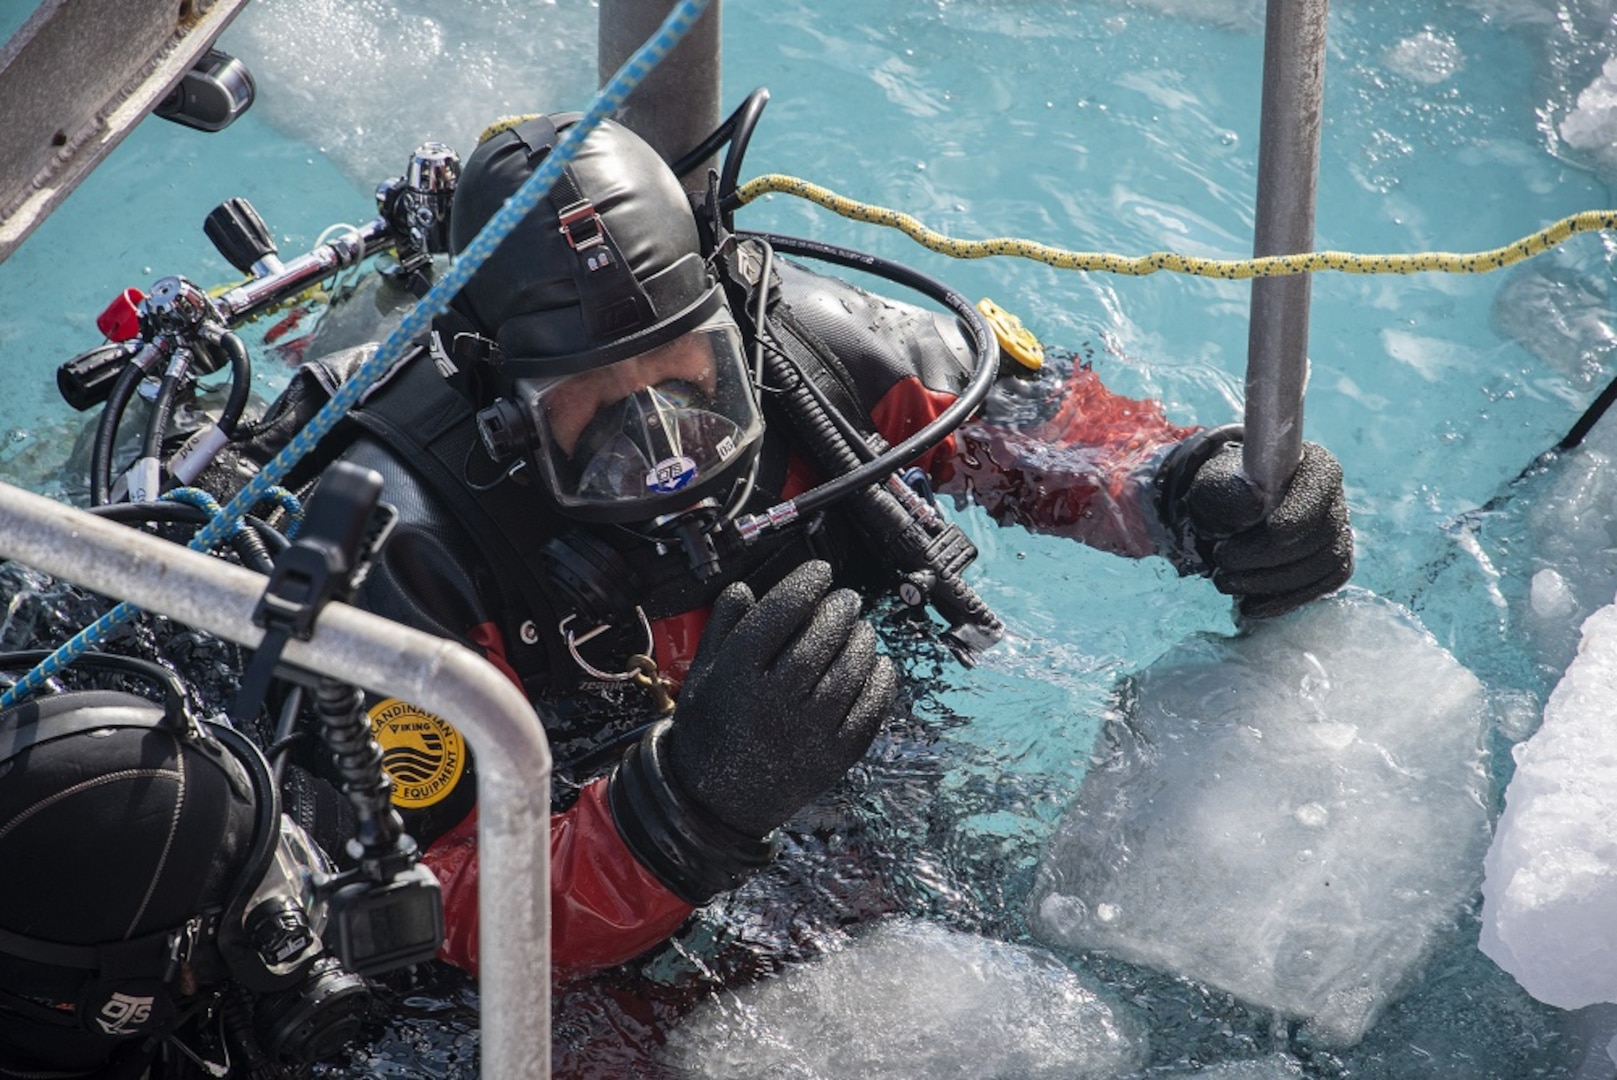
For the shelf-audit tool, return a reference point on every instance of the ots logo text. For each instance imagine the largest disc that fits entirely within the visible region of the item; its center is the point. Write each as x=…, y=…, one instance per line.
x=423, y=755
x=124, y=1014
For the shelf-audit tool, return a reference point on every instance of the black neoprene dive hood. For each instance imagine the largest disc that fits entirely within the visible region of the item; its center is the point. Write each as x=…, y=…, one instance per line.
x=544, y=295
x=114, y=833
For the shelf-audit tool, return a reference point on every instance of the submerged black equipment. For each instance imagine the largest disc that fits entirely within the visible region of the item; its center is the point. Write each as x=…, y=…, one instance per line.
x=387, y=912
x=150, y=874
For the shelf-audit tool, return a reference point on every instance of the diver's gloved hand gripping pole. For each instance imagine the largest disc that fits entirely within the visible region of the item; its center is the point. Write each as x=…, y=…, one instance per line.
x=1216, y=526
x=784, y=696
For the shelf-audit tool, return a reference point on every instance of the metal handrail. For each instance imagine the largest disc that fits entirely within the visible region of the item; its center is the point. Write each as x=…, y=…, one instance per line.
x=440, y=676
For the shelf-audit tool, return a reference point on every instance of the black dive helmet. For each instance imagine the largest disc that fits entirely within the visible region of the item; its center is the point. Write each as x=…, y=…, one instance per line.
x=147, y=877
x=618, y=368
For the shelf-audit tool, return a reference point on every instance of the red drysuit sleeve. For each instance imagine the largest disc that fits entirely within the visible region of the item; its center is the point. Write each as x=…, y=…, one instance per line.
x=604, y=906
x=1086, y=473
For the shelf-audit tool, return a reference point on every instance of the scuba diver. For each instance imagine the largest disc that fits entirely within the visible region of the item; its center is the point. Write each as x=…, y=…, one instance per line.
x=646, y=459
x=158, y=920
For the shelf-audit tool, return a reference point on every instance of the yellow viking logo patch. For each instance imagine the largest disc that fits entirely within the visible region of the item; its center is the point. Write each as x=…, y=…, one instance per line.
x=423, y=754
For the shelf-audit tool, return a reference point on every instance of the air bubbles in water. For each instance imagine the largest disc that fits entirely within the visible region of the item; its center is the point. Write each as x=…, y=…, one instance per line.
x=371, y=81
x=1426, y=58
x=1591, y=126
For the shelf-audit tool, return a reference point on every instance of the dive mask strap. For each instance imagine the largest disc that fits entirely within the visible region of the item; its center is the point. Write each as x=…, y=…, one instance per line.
x=611, y=300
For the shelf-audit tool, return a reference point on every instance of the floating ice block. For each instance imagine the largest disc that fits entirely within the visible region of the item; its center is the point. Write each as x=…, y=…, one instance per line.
x=912, y=1001
x=1549, y=912
x=1289, y=816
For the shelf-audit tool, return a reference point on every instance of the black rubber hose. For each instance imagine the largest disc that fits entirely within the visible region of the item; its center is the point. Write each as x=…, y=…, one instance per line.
x=1590, y=418
x=250, y=549
x=266, y=539
x=106, y=433
x=888, y=525
x=162, y=408
x=241, y=381
x=828, y=419
x=737, y=131
x=174, y=700
x=982, y=379
x=284, y=737
x=236, y=1020
x=745, y=119
x=358, y=758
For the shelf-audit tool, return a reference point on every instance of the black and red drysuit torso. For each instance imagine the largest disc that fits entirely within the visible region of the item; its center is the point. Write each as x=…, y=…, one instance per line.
x=1056, y=454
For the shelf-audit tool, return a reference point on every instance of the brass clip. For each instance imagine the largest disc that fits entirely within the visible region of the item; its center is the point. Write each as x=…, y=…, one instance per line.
x=648, y=678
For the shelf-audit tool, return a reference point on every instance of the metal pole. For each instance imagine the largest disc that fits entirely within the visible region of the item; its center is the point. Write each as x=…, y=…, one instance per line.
x=1288, y=176
x=677, y=104
x=513, y=764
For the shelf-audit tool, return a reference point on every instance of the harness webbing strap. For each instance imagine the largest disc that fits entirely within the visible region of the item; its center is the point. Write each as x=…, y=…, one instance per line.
x=423, y=420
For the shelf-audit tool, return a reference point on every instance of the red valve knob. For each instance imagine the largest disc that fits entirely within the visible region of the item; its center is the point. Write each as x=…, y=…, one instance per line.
x=121, y=320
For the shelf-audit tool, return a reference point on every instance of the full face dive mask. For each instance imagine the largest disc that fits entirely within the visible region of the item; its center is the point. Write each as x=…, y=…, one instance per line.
x=647, y=435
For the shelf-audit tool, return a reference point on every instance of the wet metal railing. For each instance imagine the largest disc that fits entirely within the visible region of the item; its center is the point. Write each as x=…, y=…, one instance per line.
x=75, y=79
x=442, y=677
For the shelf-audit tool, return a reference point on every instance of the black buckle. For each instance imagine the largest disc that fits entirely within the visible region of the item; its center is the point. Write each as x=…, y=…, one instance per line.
x=345, y=527
x=467, y=349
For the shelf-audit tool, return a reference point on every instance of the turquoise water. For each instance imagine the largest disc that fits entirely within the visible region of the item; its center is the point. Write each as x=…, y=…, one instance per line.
x=1096, y=126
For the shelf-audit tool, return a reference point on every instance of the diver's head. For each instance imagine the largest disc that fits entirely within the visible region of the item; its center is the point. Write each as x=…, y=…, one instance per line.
x=619, y=371
x=148, y=871
x=119, y=832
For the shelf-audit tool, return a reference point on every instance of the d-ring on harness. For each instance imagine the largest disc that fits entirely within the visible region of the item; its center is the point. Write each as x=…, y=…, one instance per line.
x=642, y=670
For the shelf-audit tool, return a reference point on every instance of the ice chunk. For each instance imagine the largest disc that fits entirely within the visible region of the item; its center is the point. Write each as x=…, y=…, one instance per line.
x=1273, y=1067
x=1551, y=596
x=1571, y=547
x=1592, y=124
x=1561, y=314
x=912, y=1000
x=1289, y=816
x=1549, y=914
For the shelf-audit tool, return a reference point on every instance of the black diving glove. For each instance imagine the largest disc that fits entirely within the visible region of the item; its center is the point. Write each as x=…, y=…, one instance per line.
x=784, y=696
x=1217, y=528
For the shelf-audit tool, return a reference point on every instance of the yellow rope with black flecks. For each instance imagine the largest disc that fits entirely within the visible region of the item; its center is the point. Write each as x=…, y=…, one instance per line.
x=1480, y=262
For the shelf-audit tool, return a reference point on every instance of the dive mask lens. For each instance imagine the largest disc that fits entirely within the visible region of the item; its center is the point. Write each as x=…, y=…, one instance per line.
x=639, y=438
x=652, y=443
